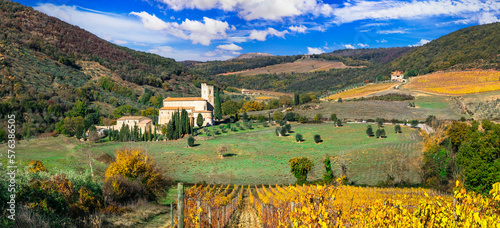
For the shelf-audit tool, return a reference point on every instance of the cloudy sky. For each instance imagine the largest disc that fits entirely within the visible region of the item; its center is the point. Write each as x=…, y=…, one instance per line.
x=221, y=29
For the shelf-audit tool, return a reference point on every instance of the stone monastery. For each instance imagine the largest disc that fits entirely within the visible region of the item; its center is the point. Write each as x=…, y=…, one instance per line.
x=203, y=105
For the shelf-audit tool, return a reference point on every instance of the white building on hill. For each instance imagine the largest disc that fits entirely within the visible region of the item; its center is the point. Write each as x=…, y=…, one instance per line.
x=397, y=76
x=203, y=105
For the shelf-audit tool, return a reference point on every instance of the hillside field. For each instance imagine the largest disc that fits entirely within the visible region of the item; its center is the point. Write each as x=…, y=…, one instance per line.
x=254, y=157
x=362, y=91
x=457, y=83
x=298, y=66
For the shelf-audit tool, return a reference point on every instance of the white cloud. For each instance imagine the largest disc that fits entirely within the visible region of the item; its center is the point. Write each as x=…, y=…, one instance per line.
x=381, y=41
x=108, y=26
x=181, y=55
x=120, y=42
x=487, y=18
x=420, y=43
x=363, y=45
x=312, y=51
x=299, y=29
x=261, y=35
x=391, y=9
x=393, y=31
x=230, y=47
x=196, y=31
x=256, y=9
x=237, y=39
x=349, y=46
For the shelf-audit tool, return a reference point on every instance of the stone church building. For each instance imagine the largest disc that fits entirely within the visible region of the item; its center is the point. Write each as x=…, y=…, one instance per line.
x=203, y=105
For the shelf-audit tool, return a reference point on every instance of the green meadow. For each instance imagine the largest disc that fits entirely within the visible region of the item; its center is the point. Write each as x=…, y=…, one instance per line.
x=254, y=156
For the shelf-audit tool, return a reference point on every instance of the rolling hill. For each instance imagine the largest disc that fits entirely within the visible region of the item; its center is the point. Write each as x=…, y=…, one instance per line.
x=47, y=66
x=473, y=47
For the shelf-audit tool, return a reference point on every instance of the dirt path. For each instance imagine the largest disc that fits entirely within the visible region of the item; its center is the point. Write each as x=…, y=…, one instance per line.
x=245, y=215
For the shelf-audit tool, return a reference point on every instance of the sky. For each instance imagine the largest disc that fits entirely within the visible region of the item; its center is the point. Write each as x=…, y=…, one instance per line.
x=206, y=30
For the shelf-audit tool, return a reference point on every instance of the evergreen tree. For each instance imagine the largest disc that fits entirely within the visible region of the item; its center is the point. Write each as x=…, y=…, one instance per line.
x=170, y=130
x=369, y=131
x=217, y=108
x=199, y=120
x=328, y=176
x=296, y=99
x=190, y=141
x=339, y=123
x=317, y=138
x=333, y=117
x=155, y=137
x=397, y=128
x=183, y=121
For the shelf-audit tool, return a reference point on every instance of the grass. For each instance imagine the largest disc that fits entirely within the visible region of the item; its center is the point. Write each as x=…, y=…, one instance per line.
x=362, y=91
x=255, y=156
x=457, y=83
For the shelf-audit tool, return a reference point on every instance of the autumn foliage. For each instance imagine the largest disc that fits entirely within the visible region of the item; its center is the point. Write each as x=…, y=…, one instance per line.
x=133, y=174
x=36, y=166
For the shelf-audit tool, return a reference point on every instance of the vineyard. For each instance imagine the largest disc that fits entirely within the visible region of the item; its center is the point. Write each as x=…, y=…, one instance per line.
x=344, y=206
x=210, y=206
x=457, y=83
x=362, y=91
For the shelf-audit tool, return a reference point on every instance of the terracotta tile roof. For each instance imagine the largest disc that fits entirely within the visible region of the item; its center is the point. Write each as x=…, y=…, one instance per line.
x=397, y=73
x=184, y=99
x=144, y=121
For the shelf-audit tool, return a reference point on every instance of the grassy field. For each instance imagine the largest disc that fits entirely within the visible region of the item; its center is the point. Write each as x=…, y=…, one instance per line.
x=457, y=83
x=255, y=156
x=363, y=91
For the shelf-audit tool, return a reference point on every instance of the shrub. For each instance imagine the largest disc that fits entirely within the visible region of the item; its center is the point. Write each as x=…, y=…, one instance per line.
x=298, y=137
x=283, y=131
x=290, y=116
x=380, y=122
x=397, y=128
x=328, y=176
x=278, y=131
x=190, y=141
x=300, y=167
x=462, y=119
x=414, y=123
x=317, y=138
x=318, y=117
x=277, y=116
x=339, y=123
x=265, y=124
x=339, y=100
x=133, y=167
x=36, y=166
x=369, y=131
x=282, y=123
x=288, y=128
x=261, y=118
x=380, y=133
x=233, y=128
x=333, y=117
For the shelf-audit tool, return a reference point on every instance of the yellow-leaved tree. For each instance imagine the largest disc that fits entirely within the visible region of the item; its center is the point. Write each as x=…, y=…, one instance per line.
x=133, y=175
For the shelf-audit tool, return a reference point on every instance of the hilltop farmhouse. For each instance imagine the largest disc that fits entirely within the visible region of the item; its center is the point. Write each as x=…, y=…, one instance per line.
x=397, y=76
x=203, y=105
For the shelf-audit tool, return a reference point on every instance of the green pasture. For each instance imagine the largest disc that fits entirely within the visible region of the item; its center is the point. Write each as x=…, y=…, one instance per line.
x=255, y=156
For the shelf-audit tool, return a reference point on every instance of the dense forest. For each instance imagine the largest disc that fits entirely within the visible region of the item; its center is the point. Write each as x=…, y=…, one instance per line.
x=473, y=47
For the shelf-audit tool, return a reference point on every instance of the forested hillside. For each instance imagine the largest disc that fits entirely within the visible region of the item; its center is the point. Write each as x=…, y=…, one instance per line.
x=51, y=70
x=473, y=47
x=376, y=62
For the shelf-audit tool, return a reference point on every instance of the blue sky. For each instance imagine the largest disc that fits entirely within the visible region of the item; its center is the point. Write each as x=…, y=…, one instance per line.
x=220, y=29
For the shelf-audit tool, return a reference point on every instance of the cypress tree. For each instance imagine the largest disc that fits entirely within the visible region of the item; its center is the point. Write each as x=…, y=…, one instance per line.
x=199, y=120
x=155, y=137
x=217, y=108
x=170, y=130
